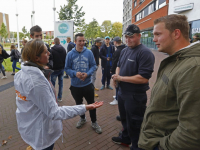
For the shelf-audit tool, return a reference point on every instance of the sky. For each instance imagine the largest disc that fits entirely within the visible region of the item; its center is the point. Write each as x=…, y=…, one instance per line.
x=44, y=17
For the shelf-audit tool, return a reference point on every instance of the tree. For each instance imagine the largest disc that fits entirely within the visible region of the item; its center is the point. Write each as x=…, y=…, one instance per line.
x=72, y=12
x=82, y=28
x=21, y=35
x=92, y=29
x=106, y=27
x=26, y=34
x=116, y=29
x=47, y=37
x=3, y=32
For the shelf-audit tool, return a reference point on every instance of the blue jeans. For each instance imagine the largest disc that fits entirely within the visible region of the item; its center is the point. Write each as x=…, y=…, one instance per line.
x=59, y=74
x=14, y=65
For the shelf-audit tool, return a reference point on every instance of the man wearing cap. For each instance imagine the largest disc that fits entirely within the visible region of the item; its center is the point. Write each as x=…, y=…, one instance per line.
x=119, y=47
x=95, y=51
x=106, y=53
x=134, y=68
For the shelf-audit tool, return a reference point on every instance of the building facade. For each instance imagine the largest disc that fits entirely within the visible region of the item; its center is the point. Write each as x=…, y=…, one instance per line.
x=144, y=12
x=127, y=15
x=4, y=18
x=190, y=9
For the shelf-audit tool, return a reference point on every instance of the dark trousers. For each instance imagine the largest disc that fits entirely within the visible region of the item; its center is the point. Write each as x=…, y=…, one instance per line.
x=131, y=108
x=49, y=148
x=106, y=75
x=2, y=69
x=88, y=93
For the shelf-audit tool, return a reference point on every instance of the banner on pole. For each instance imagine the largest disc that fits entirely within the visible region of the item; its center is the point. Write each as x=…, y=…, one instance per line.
x=64, y=29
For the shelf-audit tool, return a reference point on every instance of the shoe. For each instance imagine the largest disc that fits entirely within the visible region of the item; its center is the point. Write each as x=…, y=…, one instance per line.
x=4, y=77
x=13, y=74
x=96, y=95
x=114, y=97
x=66, y=76
x=102, y=87
x=59, y=100
x=114, y=102
x=109, y=87
x=97, y=128
x=96, y=89
x=118, y=118
x=80, y=123
x=118, y=140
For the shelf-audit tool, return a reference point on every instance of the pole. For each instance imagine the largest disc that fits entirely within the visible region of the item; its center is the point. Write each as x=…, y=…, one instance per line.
x=33, y=12
x=54, y=13
x=18, y=47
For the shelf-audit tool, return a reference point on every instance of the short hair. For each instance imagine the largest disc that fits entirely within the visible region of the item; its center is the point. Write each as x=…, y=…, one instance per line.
x=119, y=42
x=35, y=29
x=12, y=46
x=68, y=38
x=79, y=34
x=173, y=22
x=33, y=49
x=25, y=41
x=57, y=40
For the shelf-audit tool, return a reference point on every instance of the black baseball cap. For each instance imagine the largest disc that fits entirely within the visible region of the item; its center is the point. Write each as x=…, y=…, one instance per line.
x=98, y=40
x=131, y=29
x=117, y=38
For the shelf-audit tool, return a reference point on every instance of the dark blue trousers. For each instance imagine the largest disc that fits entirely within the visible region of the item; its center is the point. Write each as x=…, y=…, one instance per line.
x=106, y=75
x=49, y=148
x=132, y=107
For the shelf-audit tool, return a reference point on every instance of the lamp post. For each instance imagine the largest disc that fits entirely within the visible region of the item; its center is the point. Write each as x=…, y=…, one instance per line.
x=33, y=12
x=54, y=13
x=17, y=27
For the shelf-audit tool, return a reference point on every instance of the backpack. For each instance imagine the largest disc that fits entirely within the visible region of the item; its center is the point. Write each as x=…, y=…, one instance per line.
x=17, y=54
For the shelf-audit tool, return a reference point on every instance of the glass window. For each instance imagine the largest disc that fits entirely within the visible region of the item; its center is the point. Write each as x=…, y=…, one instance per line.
x=135, y=3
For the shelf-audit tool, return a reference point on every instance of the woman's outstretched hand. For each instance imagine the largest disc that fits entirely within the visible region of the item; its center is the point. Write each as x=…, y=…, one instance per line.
x=94, y=105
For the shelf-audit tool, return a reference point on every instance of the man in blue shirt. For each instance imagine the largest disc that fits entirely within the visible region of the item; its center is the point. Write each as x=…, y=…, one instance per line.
x=106, y=53
x=80, y=65
x=133, y=72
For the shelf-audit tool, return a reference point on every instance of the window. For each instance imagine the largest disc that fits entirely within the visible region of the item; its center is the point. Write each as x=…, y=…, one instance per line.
x=141, y=1
x=135, y=3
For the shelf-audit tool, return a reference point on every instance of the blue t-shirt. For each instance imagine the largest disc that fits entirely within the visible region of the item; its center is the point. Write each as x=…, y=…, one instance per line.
x=139, y=60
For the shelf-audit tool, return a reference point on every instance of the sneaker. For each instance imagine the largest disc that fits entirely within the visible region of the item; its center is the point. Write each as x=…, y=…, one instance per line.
x=59, y=100
x=96, y=89
x=118, y=140
x=97, y=128
x=109, y=87
x=114, y=102
x=66, y=76
x=96, y=95
x=13, y=74
x=102, y=87
x=80, y=123
x=118, y=118
x=4, y=77
x=114, y=97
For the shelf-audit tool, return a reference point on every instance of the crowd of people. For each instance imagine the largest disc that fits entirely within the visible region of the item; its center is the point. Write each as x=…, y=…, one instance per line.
x=171, y=120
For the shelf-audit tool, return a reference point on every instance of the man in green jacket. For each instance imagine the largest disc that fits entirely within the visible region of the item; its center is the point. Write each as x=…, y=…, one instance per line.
x=172, y=119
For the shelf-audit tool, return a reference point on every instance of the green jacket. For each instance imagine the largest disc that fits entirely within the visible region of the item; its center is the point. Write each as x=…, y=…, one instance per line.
x=172, y=119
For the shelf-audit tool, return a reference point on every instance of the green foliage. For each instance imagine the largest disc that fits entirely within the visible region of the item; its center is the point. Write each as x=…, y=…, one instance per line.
x=3, y=31
x=116, y=29
x=92, y=29
x=71, y=11
x=8, y=65
x=26, y=34
x=47, y=37
x=21, y=35
x=106, y=28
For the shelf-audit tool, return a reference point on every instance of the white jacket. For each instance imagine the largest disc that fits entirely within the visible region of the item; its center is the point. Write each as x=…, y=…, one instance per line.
x=38, y=115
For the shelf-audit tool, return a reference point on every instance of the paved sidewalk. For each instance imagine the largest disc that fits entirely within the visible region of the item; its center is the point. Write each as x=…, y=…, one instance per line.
x=73, y=139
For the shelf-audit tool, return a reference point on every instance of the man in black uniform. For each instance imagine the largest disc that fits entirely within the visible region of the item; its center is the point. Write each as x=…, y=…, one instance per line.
x=36, y=33
x=133, y=72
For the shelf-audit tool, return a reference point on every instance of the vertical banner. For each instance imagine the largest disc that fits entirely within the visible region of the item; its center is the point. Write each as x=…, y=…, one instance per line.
x=64, y=29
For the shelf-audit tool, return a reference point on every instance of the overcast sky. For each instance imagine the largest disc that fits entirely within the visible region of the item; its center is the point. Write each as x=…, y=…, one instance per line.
x=100, y=10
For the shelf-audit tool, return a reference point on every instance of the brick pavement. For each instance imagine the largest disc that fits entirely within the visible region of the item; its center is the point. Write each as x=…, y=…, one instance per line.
x=73, y=139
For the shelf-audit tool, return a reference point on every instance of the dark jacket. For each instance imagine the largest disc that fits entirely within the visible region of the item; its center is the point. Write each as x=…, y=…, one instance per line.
x=95, y=51
x=4, y=55
x=59, y=55
x=12, y=55
x=103, y=55
x=50, y=63
x=70, y=46
x=116, y=57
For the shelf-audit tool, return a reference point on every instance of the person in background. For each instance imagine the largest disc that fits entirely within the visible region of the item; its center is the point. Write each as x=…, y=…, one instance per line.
x=70, y=46
x=14, y=59
x=134, y=69
x=3, y=55
x=23, y=43
x=119, y=47
x=171, y=121
x=37, y=112
x=80, y=65
x=59, y=55
x=95, y=51
x=106, y=54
